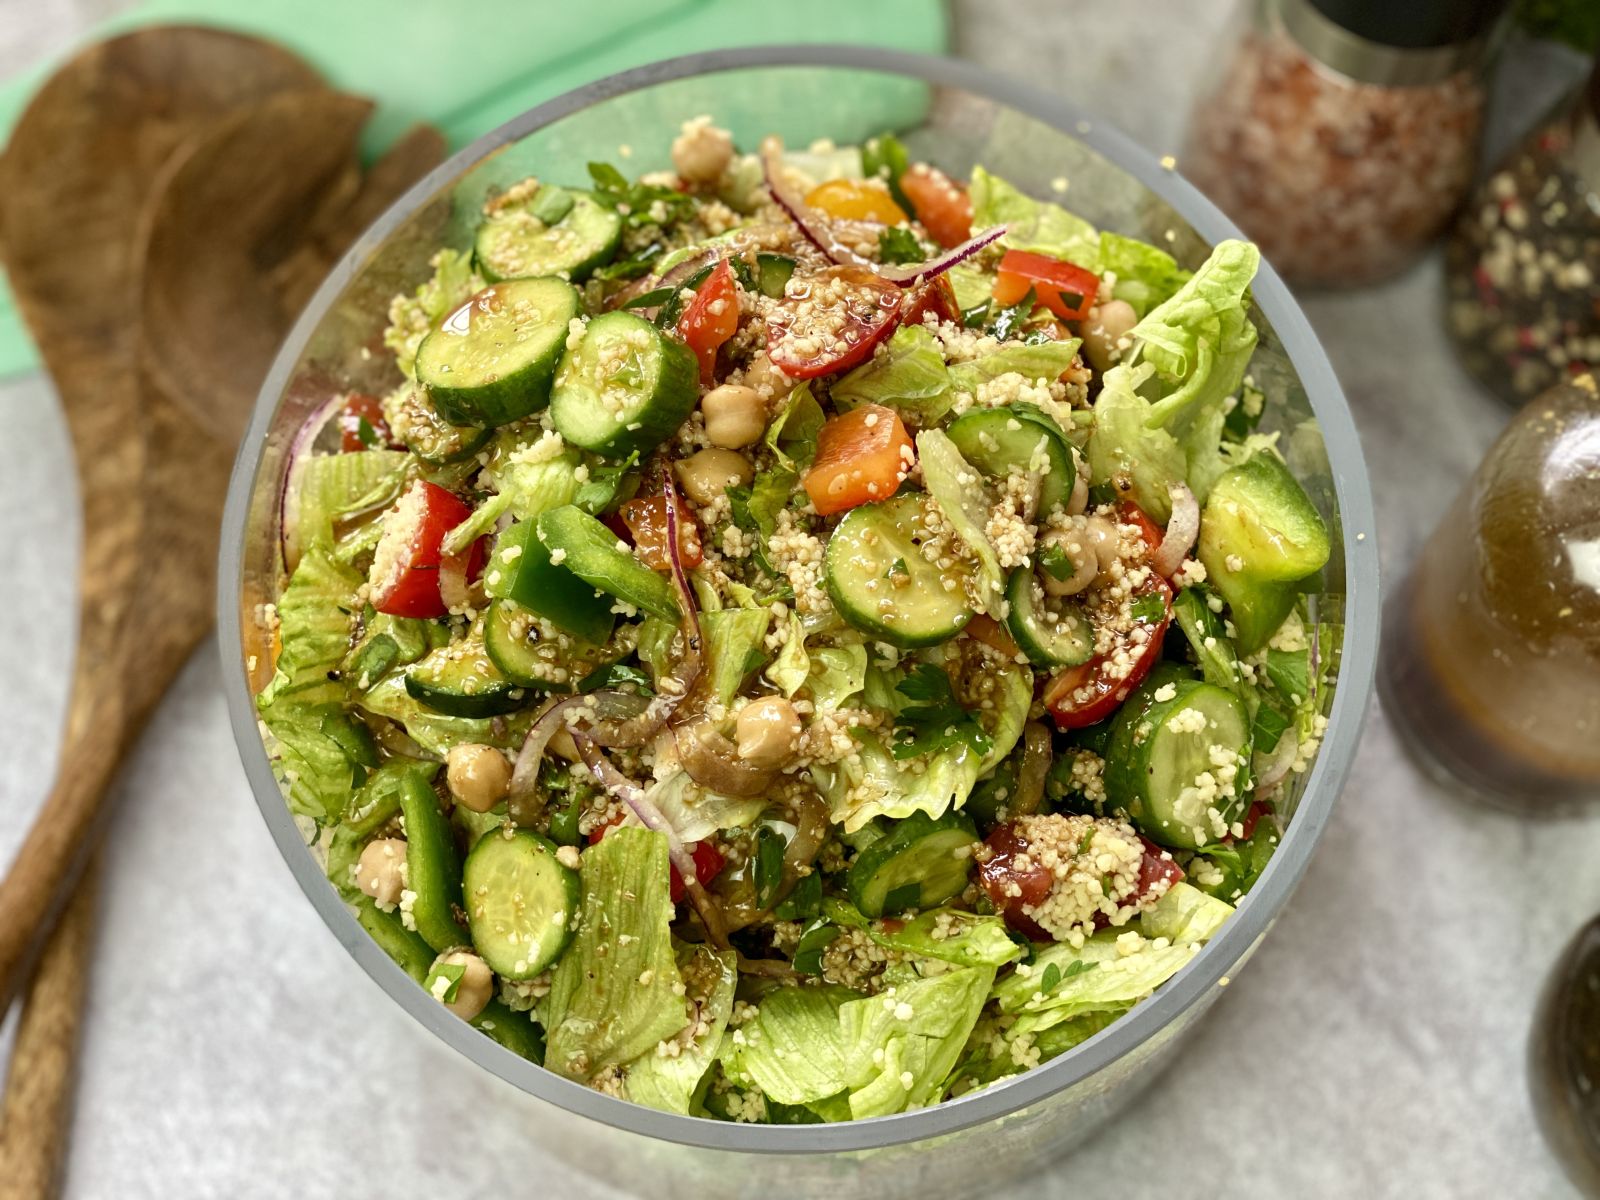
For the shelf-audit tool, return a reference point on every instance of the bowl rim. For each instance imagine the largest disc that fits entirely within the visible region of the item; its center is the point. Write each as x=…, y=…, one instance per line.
x=1206, y=971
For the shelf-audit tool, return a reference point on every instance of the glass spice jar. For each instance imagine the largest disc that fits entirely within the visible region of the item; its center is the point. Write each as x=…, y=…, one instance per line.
x=1343, y=134
x=1523, y=306
x=1564, y=1060
x=1491, y=666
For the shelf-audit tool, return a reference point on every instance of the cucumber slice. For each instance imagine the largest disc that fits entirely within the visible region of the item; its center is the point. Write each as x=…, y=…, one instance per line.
x=920, y=863
x=522, y=903
x=556, y=232
x=417, y=423
x=1060, y=637
x=550, y=590
x=1260, y=535
x=772, y=273
x=460, y=680
x=492, y=360
x=996, y=439
x=515, y=1031
x=881, y=584
x=433, y=872
x=1161, y=754
x=591, y=552
x=512, y=641
x=1213, y=650
x=625, y=388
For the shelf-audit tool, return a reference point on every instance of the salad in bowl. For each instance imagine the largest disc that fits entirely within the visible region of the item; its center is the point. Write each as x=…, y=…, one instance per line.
x=805, y=637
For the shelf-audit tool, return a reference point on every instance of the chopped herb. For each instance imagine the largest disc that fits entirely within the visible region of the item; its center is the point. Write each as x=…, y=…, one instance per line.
x=1008, y=320
x=896, y=245
x=937, y=721
x=1149, y=608
x=898, y=567
x=636, y=200
x=768, y=866
x=451, y=974
x=814, y=939
x=651, y=298
x=1245, y=414
x=1086, y=840
x=365, y=432
x=884, y=157
x=976, y=316
x=608, y=486
x=1077, y=967
x=1290, y=672
x=1270, y=723
x=743, y=273
x=632, y=266
x=804, y=902
x=1052, y=976
x=1057, y=564
x=615, y=675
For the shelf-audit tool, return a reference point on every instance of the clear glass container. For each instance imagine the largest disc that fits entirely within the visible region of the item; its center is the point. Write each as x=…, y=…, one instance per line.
x=1491, y=664
x=956, y=115
x=1564, y=1060
x=1523, y=264
x=1341, y=155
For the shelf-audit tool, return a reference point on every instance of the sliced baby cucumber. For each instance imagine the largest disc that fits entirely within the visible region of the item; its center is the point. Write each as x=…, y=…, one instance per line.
x=1176, y=762
x=1052, y=633
x=1203, y=630
x=492, y=360
x=512, y=639
x=920, y=863
x=522, y=903
x=417, y=423
x=625, y=388
x=880, y=582
x=514, y=1030
x=1259, y=536
x=996, y=439
x=592, y=552
x=555, y=232
x=433, y=872
x=772, y=273
x=549, y=589
x=460, y=680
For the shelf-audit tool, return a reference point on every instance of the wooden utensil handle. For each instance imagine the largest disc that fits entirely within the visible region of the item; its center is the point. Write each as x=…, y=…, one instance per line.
x=37, y=1109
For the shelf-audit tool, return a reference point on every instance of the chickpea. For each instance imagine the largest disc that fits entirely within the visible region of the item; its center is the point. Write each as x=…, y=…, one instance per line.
x=1085, y=565
x=381, y=872
x=1106, y=325
x=1104, y=540
x=707, y=474
x=769, y=382
x=476, y=987
x=479, y=776
x=735, y=415
x=768, y=731
x=702, y=152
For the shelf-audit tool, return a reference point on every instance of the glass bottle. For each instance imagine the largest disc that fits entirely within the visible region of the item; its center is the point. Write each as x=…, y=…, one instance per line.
x=1523, y=303
x=1491, y=663
x=1564, y=1060
x=1342, y=134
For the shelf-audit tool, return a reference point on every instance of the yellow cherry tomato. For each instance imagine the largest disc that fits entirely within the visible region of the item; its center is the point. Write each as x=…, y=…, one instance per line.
x=853, y=200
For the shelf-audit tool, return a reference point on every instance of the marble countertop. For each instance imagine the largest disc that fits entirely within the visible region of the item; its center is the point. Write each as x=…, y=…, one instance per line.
x=1375, y=1045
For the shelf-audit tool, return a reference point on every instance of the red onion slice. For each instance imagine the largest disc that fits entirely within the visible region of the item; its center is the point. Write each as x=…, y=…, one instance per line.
x=609, y=706
x=911, y=274
x=713, y=762
x=1182, y=529
x=816, y=227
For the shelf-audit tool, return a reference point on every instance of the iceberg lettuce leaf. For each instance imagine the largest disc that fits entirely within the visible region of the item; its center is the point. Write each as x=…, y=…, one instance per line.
x=956, y=485
x=670, y=1081
x=1184, y=915
x=793, y=1049
x=909, y=376
x=947, y=934
x=1035, y=225
x=413, y=317
x=1089, y=978
x=1146, y=276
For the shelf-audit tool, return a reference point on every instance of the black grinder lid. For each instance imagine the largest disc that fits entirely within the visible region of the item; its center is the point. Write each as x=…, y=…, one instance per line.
x=1414, y=24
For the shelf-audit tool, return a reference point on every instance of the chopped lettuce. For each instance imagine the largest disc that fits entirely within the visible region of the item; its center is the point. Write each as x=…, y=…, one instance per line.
x=616, y=991
x=1037, y=362
x=836, y=674
x=792, y=667
x=947, y=934
x=1064, y=981
x=973, y=286
x=956, y=485
x=792, y=436
x=793, y=1049
x=734, y=646
x=412, y=318
x=696, y=813
x=909, y=377
x=326, y=488
x=1123, y=443
x=994, y=1052
x=900, y=1046
x=1184, y=915
x=669, y=1081
x=1145, y=275
x=1034, y=224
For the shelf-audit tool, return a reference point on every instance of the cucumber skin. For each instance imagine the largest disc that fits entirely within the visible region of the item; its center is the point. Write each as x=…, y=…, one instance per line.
x=592, y=555
x=510, y=397
x=1258, y=514
x=494, y=699
x=1126, y=774
x=516, y=1031
x=834, y=567
x=577, y=271
x=901, y=840
x=565, y=878
x=1054, y=490
x=432, y=866
x=1017, y=617
x=550, y=590
x=413, y=955
x=671, y=400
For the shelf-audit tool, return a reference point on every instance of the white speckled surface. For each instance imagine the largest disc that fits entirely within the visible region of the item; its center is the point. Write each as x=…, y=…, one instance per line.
x=1375, y=1045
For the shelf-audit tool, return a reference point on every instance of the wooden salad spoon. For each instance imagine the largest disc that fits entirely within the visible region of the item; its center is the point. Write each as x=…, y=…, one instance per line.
x=100, y=152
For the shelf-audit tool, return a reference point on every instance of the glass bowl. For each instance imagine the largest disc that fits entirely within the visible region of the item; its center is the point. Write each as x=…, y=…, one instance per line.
x=955, y=115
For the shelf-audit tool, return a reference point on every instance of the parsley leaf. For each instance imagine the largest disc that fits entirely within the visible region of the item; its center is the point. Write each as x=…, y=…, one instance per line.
x=804, y=902
x=1056, y=564
x=636, y=200
x=1290, y=673
x=768, y=866
x=632, y=266
x=366, y=433
x=1008, y=320
x=896, y=245
x=937, y=721
x=1149, y=608
x=1052, y=976
x=614, y=675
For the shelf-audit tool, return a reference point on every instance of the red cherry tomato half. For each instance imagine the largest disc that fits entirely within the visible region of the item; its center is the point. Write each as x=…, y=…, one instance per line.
x=711, y=318
x=942, y=205
x=830, y=321
x=1157, y=865
x=1064, y=289
x=352, y=436
x=708, y=860
x=936, y=297
x=1089, y=693
x=1012, y=887
x=406, y=564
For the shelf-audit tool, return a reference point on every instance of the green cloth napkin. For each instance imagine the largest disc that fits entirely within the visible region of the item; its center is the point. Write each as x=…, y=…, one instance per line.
x=467, y=68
